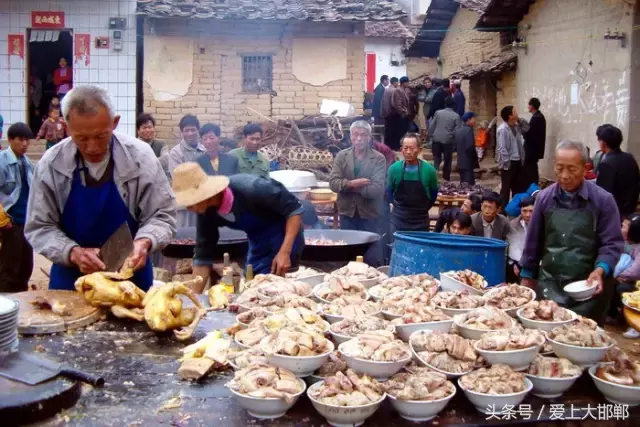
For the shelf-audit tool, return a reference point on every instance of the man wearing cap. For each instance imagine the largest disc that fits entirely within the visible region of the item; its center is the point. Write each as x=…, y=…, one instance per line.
x=261, y=207
x=464, y=141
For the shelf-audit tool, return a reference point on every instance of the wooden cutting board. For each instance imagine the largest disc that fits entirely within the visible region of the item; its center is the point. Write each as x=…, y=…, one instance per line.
x=34, y=320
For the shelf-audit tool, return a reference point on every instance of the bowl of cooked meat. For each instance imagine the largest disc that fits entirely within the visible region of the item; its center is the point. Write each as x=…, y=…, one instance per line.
x=269, y=286
x=457, y=302
x=251, y=336
x=395, y=304
x=421, y=317
x=265, y=391
x=336, y=287
x=446, y=353
x=419, y=394
x=245, y=318
x=544, y=315
x=276, y=304
x=349, y=307
x=377, y=353
x=297, y=349
x=479, y=321
x=463, y=280
x=509, y=298
x=552, y=376
x=363, y=273
x=334, y=364
x=580, y=341
x=346, y=399
x=581, y=290
x=349, y=328
x=514, y=348
x=492, y=390
x=294, y=317
x=241, y=358
x=618, y=382
x=395, y=284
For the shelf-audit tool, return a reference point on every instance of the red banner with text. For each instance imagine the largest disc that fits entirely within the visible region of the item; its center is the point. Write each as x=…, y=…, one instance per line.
x=82, y=48
x=47, y=19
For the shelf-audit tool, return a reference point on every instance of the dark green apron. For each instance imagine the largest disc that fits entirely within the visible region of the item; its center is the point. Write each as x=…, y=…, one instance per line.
x=570, y=252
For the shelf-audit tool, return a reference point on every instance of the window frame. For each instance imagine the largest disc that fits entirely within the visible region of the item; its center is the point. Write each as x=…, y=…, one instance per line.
x=259, y=59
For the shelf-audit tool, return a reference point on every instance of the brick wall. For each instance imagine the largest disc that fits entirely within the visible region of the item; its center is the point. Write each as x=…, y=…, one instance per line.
x=507, y=95
x=216, y=93
x=419, y=66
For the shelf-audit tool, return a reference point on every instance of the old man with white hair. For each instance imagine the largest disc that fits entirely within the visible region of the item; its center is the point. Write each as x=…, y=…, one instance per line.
x=358, y=176
x=90, y=184
x=574, y=234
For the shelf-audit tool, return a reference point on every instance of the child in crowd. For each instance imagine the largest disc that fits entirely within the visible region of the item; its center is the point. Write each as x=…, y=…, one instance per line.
x=53, y=129
x=627, y=272
x=590, y=175
x=481, y=139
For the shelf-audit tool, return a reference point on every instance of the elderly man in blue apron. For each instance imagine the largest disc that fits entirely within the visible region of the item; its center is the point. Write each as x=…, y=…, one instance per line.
x=88, y=185
x=574, y=234
x=261, y=207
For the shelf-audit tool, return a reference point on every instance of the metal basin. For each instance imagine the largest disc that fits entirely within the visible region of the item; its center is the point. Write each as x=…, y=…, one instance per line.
x=233, y=242
x=357, y=244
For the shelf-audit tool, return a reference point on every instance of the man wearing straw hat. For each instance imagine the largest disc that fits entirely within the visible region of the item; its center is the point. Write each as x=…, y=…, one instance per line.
x=261, y=207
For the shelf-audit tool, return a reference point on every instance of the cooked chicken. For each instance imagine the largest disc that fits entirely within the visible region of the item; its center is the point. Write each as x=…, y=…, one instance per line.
x=509, y=296
x=122, y=297
x=416, y=383
x=252, y=335
x=397, y=302
x=352, y=326
x=552, y=367
x=243, y=358
x=265, y=381
x=420, y=314
x=296, y=341
x=393, y=284
x=336, y=286
x=333, y=365
x=302, y=272
x=379, y=346
x=212, y=346
x=514, y=339
x=485, y=318
x=271, y=285
x=469, y=278
x=546, y=311
x=498, y=379
x=359, y=270
x=248, y=298
x=579, y=333
x=349, y=390
x=51, y=304
x=280, y=302
x=457, y=300
x=350, y=306
x=624, y=371
x=447, y=352
x=296, y=317
x=248, y=317
x=163, y=309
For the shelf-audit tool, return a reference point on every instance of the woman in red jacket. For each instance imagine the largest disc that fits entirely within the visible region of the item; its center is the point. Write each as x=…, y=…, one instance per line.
x=63, y=78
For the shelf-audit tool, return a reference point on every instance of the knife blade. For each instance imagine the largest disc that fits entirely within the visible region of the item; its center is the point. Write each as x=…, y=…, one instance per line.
x=117, y=248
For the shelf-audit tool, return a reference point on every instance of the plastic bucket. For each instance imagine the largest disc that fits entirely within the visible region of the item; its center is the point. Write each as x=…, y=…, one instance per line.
x=424, y=252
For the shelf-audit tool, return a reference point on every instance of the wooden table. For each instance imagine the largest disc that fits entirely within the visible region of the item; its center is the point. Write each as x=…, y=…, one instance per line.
x=140, y=368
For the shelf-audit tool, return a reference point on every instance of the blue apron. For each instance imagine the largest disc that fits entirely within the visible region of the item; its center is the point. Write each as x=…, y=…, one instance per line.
x=90, y=216
x=265, y=238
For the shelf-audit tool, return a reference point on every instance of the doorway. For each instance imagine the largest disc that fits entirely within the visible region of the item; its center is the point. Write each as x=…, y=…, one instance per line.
x=44, y=51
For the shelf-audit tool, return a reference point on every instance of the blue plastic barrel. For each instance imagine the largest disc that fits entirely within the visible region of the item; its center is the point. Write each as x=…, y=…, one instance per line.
x=423, y=252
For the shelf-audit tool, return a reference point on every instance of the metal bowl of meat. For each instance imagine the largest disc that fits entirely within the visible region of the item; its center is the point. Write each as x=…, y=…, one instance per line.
x=376, y=353
x=492, y=390
x=233, y=242
x=619, y=383
x=581, y=345
x=552, y=376
x=513, y=348
x=544, y=315
x=347, y=244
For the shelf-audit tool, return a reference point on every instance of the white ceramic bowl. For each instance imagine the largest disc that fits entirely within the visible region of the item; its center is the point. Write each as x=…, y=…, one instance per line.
x=367, y=283
x=314, y=280
x=473, y=333
x=390, y=316
x=418, y=410
x=378, y=370
x=300, y=192
x=580, y=291
x=316, y=294
x=334, y=318
x=616, y=393
x=579, y=355
x=374, y=293
x=448, y=283
x=294, y=178
x=343, y=416
x=495, y=403
x=405, y=331
x=300, y=366
x=518, y=360
x=267, y=408
x=239, y=344
x=511, y=311
x=550, y=388
x=454, y=311
x=542, y=325
x=339, y=338
x=417, y=358
x=384, y=269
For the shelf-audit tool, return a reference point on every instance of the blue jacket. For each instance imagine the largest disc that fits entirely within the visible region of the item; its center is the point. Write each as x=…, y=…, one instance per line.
x=513, y=207
x=10, y=180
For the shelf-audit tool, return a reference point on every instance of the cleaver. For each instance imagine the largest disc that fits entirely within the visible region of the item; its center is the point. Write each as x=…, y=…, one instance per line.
x=31, y=369
x=117, y=248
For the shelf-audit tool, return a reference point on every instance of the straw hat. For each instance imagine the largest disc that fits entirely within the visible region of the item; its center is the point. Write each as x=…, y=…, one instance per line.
x=191, y=185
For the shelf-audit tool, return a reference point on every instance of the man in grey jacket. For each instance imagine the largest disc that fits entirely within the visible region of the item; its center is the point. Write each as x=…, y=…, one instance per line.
x=441, y=131
x=90, y=184
x=510, y=152
x=466, y=148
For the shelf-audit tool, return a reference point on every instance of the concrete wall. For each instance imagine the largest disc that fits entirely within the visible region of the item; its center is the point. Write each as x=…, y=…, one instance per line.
x=564, y=32
x=216, y=92
x=115, y=71
x=384, y=50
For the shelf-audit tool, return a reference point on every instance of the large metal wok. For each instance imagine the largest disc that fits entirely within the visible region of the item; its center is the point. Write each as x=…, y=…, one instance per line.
x=233, y=242
x=357, y=244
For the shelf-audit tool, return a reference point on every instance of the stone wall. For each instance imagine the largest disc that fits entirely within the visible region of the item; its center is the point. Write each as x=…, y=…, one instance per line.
x=216, y=93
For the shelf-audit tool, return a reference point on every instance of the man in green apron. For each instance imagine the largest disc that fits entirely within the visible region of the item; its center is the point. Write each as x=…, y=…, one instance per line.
x=574, y=234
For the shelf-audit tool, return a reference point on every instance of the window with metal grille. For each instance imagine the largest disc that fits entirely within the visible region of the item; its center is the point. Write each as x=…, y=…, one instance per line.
x=257, y=73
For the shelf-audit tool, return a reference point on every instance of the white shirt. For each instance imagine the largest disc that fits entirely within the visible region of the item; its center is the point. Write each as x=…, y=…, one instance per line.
x=96, y=170
x=487, y=227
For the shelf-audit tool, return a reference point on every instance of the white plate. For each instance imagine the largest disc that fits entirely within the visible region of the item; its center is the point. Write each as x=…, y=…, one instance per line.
x=8, y=306
x=11, y=349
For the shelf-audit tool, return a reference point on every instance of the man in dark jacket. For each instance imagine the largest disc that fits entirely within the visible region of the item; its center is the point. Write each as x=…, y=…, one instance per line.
x=534, y=141
x=460, y=99
x=618, y=171
x=441, y=131
x=376, y=109
x=465, y=146
x=396, y=111
x=214, y=162
x=442, y=93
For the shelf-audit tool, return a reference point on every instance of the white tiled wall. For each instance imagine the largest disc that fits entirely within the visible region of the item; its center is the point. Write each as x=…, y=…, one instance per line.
x=115, y=71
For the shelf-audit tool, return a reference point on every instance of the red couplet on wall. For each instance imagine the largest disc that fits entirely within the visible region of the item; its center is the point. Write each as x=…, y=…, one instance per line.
x=16, y=45
x=371, y=71
x=47, y=19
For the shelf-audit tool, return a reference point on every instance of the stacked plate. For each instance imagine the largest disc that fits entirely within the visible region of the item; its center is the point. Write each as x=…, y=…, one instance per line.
x=8, y=325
